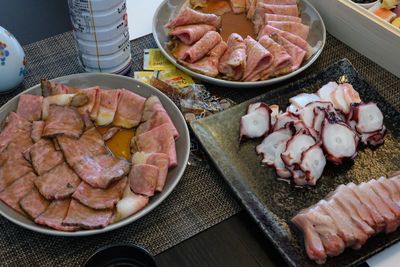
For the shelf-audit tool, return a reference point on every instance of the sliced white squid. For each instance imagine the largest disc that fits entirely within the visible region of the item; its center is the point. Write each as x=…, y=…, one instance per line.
x=339, y=101
x=283, y=118
x=295, y=147
x=301, y=100
x=368, y=117
x=338, y=140
x=313, y=163
x=325, y=91
x=271, y=146
x=256, y=123
x=350, y=94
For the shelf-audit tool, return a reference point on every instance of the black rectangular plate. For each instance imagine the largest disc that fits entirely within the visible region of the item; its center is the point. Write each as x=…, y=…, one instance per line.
x=271, y=202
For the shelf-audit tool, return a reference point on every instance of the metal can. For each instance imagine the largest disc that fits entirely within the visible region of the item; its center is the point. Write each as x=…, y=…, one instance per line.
x=101, y=34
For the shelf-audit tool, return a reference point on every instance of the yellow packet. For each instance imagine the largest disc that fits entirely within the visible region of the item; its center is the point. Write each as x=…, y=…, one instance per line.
x=153, y=59
x=143, y=76
x=174, y=77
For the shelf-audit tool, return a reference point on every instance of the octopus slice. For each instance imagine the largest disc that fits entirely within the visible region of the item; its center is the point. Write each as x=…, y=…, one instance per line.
x=306, y=114
x=273, y=145
x=274, y=113
x=283, y=119
x=339, y=101
x=368, y=117
x=319, y=116
x=301, y=100
x=313, y=163
x=295, y=147
x=338, y=140
x=373, y=139
x=325, y=91
x=292, y=108
x=350, y=94
x=255, y=124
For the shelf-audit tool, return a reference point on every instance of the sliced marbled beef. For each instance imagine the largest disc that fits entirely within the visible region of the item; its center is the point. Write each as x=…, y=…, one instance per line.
x=296, y=28
x=37, y=130
x=281, y=58
x=34, y=203
x=44, y=156
x=100, y=171
x=143, y=179
x=87, y=218
x=294, y=39
x=288, y=10
x=158, y=140
x=189, y=34
x=208, y=65
x=12, y=165
x=30, y=107
x=159, y=160
x=98, y=198
x=63, y=120
x=152, y=106
x=258, y=60
x=104, y=110
x=233, y=61
x=17, y=190
x=91, y=143
x=202, y=47
x=189, y=16
x=60, y=182
x=14, y=125
x=277, y=17
x=55, y=214
x=297, y=54
x=92, y=93
x=53, y=88
x=129, y=110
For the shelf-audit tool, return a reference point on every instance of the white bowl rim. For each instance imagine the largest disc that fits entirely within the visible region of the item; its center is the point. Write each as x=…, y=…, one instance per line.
x=238, y=84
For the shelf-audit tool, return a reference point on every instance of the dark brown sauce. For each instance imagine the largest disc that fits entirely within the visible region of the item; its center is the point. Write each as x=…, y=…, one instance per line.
x=237, y=23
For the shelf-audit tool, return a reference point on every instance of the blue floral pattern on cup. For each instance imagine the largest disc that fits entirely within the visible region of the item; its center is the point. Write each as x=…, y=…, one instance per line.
x=3, y=53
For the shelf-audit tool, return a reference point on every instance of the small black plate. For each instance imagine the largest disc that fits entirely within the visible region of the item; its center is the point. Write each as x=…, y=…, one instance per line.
x=271, y=202
x=121, y=255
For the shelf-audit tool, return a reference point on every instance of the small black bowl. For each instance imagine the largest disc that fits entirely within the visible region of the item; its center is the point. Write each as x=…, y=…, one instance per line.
x=121, y=255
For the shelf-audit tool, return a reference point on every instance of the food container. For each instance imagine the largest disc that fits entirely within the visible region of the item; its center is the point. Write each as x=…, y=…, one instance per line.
x=101, y=34
x=362, y=31
x=12, y=61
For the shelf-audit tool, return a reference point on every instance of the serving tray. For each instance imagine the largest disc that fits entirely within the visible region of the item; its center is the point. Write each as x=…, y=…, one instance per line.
x=272, y=202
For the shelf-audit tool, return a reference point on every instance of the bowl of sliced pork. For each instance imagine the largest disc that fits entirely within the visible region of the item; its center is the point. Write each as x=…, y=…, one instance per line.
x=237, y=43
x=88, y=153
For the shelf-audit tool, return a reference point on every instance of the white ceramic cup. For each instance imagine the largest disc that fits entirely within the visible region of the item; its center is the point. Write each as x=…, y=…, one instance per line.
x=12, y=61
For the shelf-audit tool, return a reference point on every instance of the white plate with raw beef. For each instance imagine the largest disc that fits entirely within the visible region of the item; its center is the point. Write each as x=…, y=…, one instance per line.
x=283, y=38
x=76, y=178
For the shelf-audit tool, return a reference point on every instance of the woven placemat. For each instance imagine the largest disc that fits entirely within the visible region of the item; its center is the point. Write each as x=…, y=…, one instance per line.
x=200, y=200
